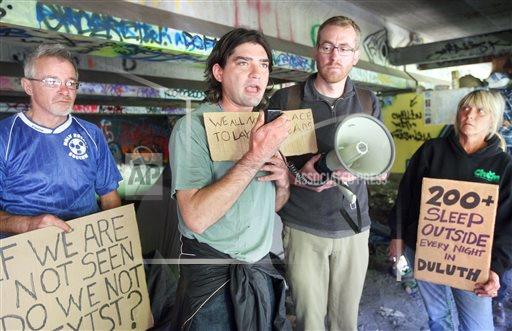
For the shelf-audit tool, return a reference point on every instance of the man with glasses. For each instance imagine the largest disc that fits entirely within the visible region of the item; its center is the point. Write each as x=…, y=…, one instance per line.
x=326, y=260
x=52, y=165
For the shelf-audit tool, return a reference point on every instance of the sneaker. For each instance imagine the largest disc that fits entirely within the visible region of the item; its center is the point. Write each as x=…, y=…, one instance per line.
x=499, y=314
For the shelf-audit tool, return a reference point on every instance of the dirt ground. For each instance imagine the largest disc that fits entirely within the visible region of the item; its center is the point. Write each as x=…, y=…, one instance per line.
x=385, y=304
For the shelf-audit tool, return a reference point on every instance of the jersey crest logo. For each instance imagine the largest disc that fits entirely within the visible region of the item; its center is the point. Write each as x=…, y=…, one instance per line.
x=77, y=146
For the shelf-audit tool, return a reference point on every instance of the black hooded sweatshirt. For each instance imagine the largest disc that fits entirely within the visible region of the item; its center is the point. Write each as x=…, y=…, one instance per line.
x=445, y=158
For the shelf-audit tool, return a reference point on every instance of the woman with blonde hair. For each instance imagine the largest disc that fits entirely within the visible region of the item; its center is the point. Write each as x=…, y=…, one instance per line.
x=473, y=145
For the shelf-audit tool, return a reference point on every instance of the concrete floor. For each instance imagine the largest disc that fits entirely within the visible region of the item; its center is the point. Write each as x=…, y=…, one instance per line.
x=385, y=304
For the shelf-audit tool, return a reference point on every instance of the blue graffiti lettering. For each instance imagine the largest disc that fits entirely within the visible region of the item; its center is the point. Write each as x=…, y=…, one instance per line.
x=293, y=61
x=70, y=20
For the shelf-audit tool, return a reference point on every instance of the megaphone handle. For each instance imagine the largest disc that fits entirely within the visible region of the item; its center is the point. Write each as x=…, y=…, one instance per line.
x=353, y=198
x=300, y=177
x=303, y=179
x=347, y=193
x=356, y=227
x=321, y=166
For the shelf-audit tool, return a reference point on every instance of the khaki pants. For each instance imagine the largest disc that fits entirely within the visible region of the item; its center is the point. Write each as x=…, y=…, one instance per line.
x=326, y=277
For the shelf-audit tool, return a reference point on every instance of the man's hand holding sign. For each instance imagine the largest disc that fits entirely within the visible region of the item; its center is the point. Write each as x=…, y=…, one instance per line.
x=91, y=278
x=228, y=133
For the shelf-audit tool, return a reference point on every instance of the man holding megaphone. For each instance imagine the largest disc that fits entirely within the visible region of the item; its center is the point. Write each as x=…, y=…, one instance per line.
x=325, y=233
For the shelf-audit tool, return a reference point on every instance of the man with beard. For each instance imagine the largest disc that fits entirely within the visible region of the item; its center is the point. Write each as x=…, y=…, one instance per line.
x=326, y=251
x=52, y=164
x=227, y=209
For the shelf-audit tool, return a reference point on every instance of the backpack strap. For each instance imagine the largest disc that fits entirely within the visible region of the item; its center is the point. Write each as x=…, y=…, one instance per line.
x=365, y=99
x=294, y=97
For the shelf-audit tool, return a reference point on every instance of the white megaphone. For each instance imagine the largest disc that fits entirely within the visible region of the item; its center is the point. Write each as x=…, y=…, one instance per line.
x=363, y=146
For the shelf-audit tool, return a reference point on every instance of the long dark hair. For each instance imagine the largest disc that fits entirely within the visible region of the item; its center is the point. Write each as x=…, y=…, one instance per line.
x=222, y=50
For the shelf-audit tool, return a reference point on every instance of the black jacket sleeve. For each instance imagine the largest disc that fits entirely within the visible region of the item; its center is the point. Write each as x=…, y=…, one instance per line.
x=376, y=107
x=502, y=244
x=405, y=212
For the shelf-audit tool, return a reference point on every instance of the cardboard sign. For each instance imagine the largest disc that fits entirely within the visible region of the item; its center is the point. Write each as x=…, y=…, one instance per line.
x=89, y=279
x=455, y=232
x=228, y=134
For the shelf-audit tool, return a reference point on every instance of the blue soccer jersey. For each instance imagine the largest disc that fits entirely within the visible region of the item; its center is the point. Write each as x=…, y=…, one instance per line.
x=54, y=171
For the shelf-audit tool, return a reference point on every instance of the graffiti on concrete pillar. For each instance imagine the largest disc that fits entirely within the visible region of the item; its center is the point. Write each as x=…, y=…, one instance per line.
x=10, y=84
x=13, y=107
x=117, y=90
x=376, y=47
x=404, y=116
x=292, y=61
x=75, y=21
x=102, y=109
x=107, y=35
x=129, y=64
x=468, y=47
x=314, y=32
x=96, y=34
x=406, y=123
x=4, y=8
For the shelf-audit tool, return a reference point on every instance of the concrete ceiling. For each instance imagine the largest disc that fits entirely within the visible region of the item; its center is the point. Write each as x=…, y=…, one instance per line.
x=138, y=61
x=438, y=20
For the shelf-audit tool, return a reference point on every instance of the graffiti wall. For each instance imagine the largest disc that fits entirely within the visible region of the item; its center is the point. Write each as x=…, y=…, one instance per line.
x=376, y=47
x=105, y=35
x=404, y=116
x=298, y=23
x=378, y=78
x=128, y=134
x=117, y=90
x=488, y=44
x=98, y=34
x=14, y=107
x=138, y=40
x=131, y=134
x=293, y=61
x=136, y=43
x=413, y=118
x=17, y=53
x=132, y=139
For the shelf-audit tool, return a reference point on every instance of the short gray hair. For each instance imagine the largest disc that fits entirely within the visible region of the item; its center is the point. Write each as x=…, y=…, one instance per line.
x=47, y=50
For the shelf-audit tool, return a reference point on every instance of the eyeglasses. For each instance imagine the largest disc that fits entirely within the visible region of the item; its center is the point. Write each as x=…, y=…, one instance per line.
x=54, y=82
x=328, y=48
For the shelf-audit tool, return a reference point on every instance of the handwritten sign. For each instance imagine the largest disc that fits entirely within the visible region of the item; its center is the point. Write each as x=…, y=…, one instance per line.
x=228, y=134
x=404, y=115
x=89, y=279
x=455, y=232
